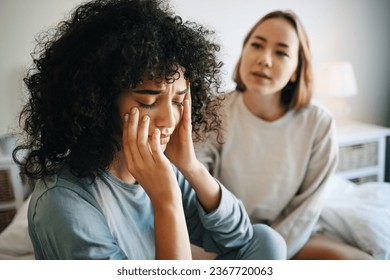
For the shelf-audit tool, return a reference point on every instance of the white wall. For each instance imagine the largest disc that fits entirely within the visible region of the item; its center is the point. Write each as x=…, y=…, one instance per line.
x=20, y=22
x=355, y=30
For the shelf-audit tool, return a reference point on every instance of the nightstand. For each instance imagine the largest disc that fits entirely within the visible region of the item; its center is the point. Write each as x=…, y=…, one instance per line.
x=11, y=190
x=362, y=151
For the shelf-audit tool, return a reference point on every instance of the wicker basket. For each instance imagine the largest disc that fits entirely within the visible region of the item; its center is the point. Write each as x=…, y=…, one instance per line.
x=6, y=190
x=358, y=156
x=361, y=180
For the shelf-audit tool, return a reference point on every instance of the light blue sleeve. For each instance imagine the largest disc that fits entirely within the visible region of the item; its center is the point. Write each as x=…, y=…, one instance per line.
x=64, y=224
x=227, y=227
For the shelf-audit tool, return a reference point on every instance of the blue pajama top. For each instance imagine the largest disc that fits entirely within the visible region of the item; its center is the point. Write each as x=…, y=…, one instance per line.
x=74, y=218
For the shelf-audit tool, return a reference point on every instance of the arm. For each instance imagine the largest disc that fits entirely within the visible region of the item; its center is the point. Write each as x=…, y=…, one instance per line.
x=208, y=155
x=227, y=227
x=216, y=219
x=206, y=187
x=297, y=221
x=181, y=152
x=153, y=171
x=57, y=233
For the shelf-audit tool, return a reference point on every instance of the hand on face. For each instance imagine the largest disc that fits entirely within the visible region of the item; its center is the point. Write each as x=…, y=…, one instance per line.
x=160, y=120
x=180, y=149
x=145, y=159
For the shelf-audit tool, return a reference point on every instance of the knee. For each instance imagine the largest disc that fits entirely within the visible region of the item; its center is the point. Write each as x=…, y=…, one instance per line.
x=268, y=243
x=321, y=247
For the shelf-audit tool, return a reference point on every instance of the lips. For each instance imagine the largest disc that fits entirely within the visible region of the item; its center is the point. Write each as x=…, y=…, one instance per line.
x=164, y=139
x=261, y=75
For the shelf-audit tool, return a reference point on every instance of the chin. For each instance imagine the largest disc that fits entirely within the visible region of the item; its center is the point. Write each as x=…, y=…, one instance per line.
x=163, y=147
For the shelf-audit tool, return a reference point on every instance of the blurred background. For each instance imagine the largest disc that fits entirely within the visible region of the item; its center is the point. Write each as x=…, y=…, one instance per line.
x=355, y=31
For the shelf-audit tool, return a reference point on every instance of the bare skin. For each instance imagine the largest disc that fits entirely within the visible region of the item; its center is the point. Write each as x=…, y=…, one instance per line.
x=157, y=131
x=321, y=247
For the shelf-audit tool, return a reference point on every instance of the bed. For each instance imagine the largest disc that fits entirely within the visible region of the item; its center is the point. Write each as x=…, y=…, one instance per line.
x=358, y=214
x=15, y=243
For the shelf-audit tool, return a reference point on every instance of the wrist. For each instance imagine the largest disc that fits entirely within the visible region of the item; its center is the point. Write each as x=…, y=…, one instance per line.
x=206, y=187
x=169, y=194
x=166, y=206
x=194, y=170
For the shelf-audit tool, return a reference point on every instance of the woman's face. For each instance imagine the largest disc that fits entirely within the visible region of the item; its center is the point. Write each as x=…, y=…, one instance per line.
x=270, y=57
x=161, y=101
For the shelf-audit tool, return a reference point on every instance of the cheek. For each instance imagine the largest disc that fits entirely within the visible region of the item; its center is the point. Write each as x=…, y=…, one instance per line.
x=155, y=118
x=247, y=60
x=178, y=114
x=125, y=103
x=287, y=74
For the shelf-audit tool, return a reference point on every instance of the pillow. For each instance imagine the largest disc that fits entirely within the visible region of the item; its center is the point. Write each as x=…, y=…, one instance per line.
x=15, y=242
x=359, y=215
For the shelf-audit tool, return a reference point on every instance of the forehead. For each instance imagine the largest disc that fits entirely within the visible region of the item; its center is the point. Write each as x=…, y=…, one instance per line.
x=179, y=83
x=277, y=30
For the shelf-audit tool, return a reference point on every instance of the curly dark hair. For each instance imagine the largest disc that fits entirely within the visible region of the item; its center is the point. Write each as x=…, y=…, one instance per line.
x=81, y=67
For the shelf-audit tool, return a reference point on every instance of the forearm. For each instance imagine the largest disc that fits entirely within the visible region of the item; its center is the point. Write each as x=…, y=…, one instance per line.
x=206, y=187
x=302, y=216
x=171, y=235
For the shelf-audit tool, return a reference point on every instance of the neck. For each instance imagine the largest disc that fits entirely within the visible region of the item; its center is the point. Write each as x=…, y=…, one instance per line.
x=119, y=169
x=265, y=107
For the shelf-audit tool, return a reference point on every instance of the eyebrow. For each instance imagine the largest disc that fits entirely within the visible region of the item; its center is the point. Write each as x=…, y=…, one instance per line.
x=280, y=44
x=156, y=92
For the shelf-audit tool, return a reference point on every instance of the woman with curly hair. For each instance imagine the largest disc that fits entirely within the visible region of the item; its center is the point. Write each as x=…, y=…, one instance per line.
x=109, y=143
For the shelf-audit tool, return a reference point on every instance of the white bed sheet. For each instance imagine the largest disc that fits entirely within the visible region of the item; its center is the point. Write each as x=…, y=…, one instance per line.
x=359, y=215
x=15, y=242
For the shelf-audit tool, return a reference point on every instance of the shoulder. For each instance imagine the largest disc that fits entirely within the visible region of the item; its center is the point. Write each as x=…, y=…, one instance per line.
x=60, y=192
x=317, y=110
x=320, y=121
x=316, y=114
x=228, y=107
x=229, y=98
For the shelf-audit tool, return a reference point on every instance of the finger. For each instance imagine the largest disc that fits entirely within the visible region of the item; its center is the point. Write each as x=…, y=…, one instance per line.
x=132, y=133
x=155, y=144
x=187, y=111
x=125, y=133
x=143, y=137
x=188, y=95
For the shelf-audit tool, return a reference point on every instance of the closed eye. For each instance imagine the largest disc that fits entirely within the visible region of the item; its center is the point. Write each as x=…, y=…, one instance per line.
x=146, y=106
x=178, y=103
x=150, y=106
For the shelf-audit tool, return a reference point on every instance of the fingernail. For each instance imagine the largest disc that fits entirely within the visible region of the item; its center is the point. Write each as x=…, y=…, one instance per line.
x=133, y=110
x=145, y=118
x=126, y=117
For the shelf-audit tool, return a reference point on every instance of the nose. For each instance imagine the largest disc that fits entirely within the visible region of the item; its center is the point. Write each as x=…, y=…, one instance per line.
x=265, y=59
x=165, y=117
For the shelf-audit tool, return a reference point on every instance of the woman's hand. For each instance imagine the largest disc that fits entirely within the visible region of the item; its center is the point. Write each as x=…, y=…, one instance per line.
x=146, y=161
x=150, y=167
x=180, y=149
